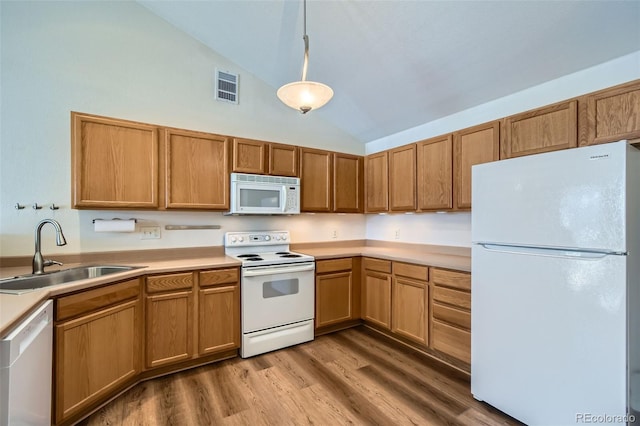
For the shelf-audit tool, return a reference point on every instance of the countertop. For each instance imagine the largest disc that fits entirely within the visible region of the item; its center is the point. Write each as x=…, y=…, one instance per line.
x=15, y=307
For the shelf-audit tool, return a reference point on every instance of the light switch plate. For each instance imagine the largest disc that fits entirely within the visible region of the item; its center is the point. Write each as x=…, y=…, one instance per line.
x=150, y=232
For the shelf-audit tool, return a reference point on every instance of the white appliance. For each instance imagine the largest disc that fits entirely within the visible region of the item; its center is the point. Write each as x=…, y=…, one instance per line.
x=555, y=301
x=258, y=194
x=277, y=291
x=25, y=370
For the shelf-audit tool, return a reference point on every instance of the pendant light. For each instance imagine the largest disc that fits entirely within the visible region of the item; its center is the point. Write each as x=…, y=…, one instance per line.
x=305, y=95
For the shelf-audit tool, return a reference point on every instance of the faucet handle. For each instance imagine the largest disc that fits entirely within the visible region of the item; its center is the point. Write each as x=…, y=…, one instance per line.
x=49, y=262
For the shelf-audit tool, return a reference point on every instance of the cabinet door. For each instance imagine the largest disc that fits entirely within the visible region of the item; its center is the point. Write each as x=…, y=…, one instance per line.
x=475, y=145
x=348, y=194
x=95, y=354
x=169, y=328
x=410, y=304
x=546, y=129
x=376, y=181
x=115, y=163
x=283, y=160
x=219, y=319
x=249, y=156
x=435, y=173
x=333, y=298
x=377, y=298
x=402, y=178
x=612, y=115
x=316, y=180
x=197, y=173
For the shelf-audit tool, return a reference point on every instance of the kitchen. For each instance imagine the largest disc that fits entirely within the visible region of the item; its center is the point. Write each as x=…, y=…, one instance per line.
x=147, y=84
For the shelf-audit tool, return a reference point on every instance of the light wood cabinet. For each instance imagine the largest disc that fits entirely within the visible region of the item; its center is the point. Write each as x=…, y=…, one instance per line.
x=451, y=313
x=348, y=191
x=376, y=181
x=610, y=115
x=475, y=145
x=377, y=292
x=169, y=319
x=402, y=178
x=219, y=311
x=410, y=302
x=249, y=156
x=316, y=180
x=283, y=160
x=434, y=165
x=337, y=291
x=97, y=349
x=545, y=129
x=114, y=163
x=196, y=170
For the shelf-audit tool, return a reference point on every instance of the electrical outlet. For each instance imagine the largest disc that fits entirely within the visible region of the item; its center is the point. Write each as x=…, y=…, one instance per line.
x=334, y=234
x=150, y=232
x=397, y=234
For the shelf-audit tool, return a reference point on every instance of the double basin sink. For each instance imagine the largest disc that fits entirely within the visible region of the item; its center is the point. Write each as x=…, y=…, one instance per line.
x=26, y=283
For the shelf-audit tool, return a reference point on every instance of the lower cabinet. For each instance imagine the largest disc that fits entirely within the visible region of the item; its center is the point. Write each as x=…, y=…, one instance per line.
x=97, y=352
x=337, y=291
x=377, y=292
x=451, y=313
x=219, y=311
x=410, y=302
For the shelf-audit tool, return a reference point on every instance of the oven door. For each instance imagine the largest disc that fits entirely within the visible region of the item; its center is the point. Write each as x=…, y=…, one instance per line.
x=277, y=295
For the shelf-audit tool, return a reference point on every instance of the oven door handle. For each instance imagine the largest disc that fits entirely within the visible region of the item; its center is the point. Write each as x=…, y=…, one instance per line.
x=257, y=272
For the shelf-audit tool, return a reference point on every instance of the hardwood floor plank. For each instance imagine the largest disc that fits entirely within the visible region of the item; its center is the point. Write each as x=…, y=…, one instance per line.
x=351, y=377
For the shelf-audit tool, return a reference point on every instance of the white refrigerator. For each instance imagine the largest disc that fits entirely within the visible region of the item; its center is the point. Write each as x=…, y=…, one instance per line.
x=555, y=299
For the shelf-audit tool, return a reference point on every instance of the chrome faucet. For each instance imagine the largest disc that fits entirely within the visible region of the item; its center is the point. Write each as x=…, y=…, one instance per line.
x=39, y=262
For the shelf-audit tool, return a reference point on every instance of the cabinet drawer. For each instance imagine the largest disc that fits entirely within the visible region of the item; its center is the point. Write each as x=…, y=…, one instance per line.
x=461, y=280
x=220, y=276
x=452, y=297
x=334, y=265
x=452, y=341
x=92, y=300
x=158, y=283
x=377, y=265
x=452, y=315
x=408, y=270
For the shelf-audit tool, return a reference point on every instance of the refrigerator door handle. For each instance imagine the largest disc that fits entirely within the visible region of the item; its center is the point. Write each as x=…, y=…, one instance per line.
x=551, y=252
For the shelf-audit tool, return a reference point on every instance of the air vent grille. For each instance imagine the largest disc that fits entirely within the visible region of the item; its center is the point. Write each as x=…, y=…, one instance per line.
x=226, y=87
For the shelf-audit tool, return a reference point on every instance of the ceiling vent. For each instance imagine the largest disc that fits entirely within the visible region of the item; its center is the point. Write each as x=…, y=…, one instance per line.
x=226, y=87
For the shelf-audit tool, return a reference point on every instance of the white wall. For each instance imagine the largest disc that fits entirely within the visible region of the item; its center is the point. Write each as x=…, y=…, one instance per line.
x=455, y=228
x=118, y=59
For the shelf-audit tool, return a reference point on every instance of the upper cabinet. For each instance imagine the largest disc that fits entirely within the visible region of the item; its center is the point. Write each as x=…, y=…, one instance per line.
x=611, y=115
x=249, y=156
x=402, y=178
x=196, y=170
x=283, y=160
x=348, y=183
x=258, y=157
x=435, y=173
x=376, y=181
x=475, y=145
x=546, y=129
x=114, y=163
x=316, y=180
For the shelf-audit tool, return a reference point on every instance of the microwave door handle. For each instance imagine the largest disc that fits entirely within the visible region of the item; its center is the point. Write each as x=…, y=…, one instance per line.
x=283, y=199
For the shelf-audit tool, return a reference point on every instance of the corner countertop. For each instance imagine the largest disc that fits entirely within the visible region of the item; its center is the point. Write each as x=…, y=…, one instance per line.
x=15, y=307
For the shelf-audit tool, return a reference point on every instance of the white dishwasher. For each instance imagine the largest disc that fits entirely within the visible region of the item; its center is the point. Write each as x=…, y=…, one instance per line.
x=25, y=370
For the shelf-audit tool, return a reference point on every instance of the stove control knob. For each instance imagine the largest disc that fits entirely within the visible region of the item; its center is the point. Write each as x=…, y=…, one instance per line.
x=267, y=238
x=284, y=237
x=241, y=239
x=233, y=239
x=277, y=237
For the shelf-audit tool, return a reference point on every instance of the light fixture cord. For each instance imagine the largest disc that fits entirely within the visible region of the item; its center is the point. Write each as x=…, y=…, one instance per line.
x=305, y=37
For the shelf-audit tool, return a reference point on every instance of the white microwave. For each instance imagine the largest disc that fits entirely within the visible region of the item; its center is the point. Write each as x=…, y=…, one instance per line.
x=258, y=194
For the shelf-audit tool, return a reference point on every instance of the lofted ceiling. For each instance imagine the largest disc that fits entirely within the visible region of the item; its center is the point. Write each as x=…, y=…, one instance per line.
x=397, y=64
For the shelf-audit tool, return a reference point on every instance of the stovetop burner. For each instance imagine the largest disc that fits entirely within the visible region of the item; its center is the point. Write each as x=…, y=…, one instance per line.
x=290, y=255
x=249, y=255
x=283, y=252
x=253, y=259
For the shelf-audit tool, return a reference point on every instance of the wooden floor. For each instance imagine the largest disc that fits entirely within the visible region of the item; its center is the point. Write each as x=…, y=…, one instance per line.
x=350, y=377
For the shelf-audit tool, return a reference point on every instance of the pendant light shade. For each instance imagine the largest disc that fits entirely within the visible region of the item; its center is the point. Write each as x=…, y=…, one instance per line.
x=305, y=95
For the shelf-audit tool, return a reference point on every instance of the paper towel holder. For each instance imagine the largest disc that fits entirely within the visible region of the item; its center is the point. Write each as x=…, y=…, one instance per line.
x=116, y=218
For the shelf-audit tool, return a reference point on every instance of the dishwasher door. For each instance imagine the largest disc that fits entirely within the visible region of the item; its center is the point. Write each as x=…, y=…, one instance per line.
x=25, y=370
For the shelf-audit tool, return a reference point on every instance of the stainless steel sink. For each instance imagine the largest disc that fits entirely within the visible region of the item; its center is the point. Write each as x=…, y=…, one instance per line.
x=25, y=283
